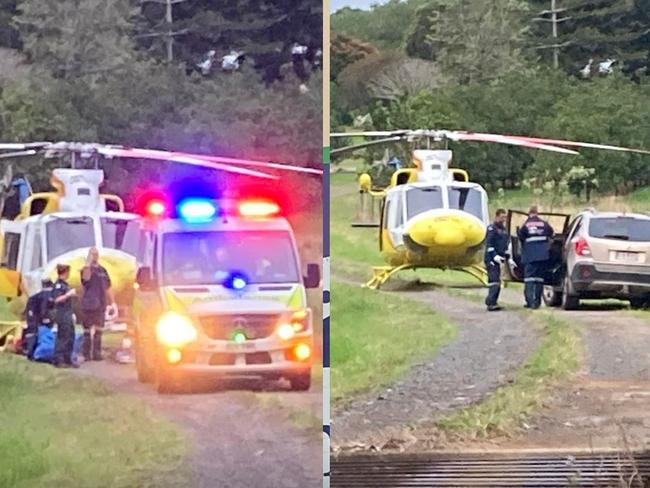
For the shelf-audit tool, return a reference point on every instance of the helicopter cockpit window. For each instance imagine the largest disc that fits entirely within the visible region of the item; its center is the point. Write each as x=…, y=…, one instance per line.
x=466, y=199
x=11, y=248
x=121, y=234
x=36, y=261
x=420, y=200
x=67, y=234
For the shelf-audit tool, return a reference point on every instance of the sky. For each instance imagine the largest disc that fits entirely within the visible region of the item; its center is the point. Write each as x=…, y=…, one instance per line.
x=362, y=4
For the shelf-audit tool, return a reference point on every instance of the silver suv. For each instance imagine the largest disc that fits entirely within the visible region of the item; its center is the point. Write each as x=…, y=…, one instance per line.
x=605, y=255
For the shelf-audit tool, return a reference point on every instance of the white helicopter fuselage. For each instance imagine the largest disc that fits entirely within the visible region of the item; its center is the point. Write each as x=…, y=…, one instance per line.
x=35, y=245
x=435, y=221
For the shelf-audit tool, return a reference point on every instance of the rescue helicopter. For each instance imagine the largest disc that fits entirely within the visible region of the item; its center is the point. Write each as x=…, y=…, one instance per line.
x=432, y=215
x=60, y=226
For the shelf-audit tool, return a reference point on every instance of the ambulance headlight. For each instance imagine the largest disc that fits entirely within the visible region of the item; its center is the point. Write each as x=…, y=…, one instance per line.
x=175, y=330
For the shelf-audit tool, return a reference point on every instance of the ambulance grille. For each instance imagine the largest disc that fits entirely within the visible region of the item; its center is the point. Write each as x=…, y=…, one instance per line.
x=222, y=327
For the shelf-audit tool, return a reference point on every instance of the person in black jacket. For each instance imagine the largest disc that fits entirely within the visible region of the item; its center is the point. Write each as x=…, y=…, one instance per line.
x=535, y=236
x=97, y=294
x=496, y=244
x=37, y=313
x=62, y=296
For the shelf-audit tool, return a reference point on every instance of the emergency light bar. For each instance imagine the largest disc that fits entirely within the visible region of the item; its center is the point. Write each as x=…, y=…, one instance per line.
x=196, y=210
x=258, y=208
x=156, y=208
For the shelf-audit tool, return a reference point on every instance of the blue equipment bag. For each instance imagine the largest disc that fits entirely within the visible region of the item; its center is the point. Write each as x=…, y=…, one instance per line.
x=46, y=341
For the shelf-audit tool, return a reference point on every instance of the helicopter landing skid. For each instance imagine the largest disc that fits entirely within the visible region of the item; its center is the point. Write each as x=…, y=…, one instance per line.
x=477, y=272
x=381, y=274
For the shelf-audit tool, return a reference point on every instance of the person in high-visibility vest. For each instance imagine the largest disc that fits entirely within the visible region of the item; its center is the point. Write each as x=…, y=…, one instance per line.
x=535, y=236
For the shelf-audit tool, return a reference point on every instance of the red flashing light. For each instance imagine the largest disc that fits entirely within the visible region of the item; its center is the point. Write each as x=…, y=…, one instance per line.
x=582, y=248
x=156, y=208
x=258, y=208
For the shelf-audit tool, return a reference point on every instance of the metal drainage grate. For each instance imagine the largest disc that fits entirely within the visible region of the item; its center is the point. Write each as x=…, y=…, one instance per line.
x=400, y=470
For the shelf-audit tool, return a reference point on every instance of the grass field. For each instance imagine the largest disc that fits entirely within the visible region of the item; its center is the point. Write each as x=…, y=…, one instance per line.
x=368, y=350
x=555, y=359
x=62, y=430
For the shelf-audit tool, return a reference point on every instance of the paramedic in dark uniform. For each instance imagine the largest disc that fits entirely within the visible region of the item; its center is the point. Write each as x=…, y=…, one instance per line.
x=63, y=318
x=37, y=313
x=496, y=245
x=535, y=236
x=97, y=294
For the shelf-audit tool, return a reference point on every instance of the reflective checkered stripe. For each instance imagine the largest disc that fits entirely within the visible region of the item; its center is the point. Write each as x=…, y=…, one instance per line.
x=536, y=239
x=533, y=280
x=326, y=315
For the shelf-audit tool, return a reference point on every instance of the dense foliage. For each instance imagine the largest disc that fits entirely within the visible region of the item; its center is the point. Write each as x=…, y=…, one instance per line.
x=91, y=78
x=487, y=73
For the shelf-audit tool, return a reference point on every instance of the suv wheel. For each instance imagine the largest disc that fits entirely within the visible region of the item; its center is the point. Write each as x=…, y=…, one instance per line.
x=552, y=297
x=569, y=300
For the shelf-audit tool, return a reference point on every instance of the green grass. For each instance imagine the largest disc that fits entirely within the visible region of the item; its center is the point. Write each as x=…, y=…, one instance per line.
x=376, y=337
x=62, y=430
x=556, y=359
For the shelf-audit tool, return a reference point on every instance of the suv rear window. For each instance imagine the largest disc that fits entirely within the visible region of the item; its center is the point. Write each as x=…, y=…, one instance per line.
x=623, y=228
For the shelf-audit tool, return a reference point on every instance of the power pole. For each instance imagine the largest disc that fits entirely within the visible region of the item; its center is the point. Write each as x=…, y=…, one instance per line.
x=169, y=20
x=543, y=17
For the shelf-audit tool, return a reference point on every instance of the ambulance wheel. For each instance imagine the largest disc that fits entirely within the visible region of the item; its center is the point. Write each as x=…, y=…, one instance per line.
x=301, y=382
x=552, y=297
x=569, y=300
x=143, y=361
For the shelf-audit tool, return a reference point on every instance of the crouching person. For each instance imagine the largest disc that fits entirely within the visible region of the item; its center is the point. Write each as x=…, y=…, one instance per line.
x=62, y=296
x=37, y=313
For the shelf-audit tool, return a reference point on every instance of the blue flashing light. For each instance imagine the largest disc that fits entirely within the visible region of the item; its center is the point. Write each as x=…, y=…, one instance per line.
x=236, y=281
x=195, y=210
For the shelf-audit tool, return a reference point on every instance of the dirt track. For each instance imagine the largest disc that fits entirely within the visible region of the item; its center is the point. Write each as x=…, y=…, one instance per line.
x=235, y=442
x=605, y=406
x=487, y=350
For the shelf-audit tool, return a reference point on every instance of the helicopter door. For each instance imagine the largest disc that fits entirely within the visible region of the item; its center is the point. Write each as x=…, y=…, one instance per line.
x=9, y=274
x=559, y=222
x=395, y=218
x=32, y=260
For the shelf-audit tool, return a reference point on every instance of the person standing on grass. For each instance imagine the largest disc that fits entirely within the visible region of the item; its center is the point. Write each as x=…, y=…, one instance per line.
x=496, y=242
x=97, y=293
x=62, y=296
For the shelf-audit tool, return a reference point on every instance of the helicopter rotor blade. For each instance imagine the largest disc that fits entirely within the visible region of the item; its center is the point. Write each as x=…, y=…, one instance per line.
x=375, y=133
x=499, y=139
x=365, y=144
x=18, y=154
x=590, y=145
x=247, y=162
x=16, y=146
x=167, y=156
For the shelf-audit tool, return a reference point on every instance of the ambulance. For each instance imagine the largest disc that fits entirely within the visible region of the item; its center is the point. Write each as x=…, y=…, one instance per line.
x=221, y=294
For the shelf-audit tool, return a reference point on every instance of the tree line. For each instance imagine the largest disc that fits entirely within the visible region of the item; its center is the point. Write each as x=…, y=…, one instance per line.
x=83, y=70
x=489, y=66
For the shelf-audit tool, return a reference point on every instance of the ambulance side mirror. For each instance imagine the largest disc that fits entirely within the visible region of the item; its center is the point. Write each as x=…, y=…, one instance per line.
x=144, y=278
x=312, y=280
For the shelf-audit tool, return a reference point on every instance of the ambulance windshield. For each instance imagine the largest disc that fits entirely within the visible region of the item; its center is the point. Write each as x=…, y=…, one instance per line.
x=194, y=258
x=67, y=234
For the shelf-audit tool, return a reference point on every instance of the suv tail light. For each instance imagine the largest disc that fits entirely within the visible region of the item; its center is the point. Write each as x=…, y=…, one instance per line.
x=582, y=248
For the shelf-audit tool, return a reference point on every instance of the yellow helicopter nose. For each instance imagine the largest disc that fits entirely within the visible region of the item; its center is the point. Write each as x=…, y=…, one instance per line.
x=446, y=231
